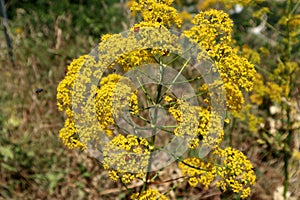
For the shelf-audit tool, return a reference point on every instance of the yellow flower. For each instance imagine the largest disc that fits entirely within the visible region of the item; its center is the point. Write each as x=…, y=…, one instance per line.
x=235, y=171
x=228, y=4
x=126, y=157
x=65, y=93
x=150, y=194
x=153, y=11
x=65, y=87
x=259, y=13
x=111, y=98
x=198, y=171
x=212, y=31
x=197, y=124
x=69, y=136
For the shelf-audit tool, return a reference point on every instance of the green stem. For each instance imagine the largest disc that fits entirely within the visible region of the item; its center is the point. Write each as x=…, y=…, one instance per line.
x=287, y=143
x=176, y=185
x=124, y=185
x=174, y=80
x=295, y=7
x=153, y=120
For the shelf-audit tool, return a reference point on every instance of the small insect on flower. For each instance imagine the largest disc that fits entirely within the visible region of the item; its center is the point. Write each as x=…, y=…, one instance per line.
x=127, y=158
x=39, y=90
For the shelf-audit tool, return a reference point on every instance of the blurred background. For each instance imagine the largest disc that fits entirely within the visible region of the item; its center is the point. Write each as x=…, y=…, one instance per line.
x=46, y=36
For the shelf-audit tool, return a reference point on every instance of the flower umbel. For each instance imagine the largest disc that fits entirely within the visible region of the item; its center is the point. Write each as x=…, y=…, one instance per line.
x=235, y=172
x=126, y=158
x=198, y=171
x=145, y=97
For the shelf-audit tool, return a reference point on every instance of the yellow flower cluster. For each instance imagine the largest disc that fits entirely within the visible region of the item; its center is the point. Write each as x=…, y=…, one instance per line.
x=228, y=4
x=293, y=22
x=274, y=87
x=106, y=94
x=65, y=87
x=285, y=73
x=261, y=12
x=111, y=98
x=129, y=50
x=65, y=93
x=149, y=194
x=248, y=117
x=235, y=172
x=126, y=158
x=135, y=58
x=196, y=124
x=211, y=27
x=269, y=89
x=156, y=12
x=212, y=31
x=212, y=132
x=186, y=117
x=198, y=171
x=69, y=136
x=103, y=100
x=252, y=55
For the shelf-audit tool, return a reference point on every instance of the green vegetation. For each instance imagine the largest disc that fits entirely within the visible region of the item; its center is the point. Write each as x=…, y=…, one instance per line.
x=48, y=35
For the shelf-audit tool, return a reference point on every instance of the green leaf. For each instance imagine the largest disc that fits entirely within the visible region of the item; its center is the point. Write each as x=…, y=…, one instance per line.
x=8, y=167
x=53, y=178
x=7, y=152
